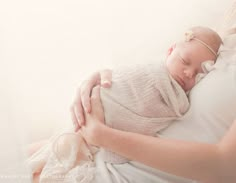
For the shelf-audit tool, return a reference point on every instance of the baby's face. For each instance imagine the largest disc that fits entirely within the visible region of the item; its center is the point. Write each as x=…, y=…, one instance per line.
x=185, y=62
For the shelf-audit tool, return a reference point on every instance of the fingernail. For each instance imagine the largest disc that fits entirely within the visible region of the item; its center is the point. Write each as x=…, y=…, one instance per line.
x=106, y=83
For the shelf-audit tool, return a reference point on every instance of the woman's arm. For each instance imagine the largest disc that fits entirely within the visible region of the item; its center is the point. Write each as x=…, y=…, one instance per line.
x=192, y=160
x=199, y=161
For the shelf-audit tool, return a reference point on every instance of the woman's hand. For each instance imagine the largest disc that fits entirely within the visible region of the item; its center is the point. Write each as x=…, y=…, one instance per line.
x=82, y=99
x=94, y=120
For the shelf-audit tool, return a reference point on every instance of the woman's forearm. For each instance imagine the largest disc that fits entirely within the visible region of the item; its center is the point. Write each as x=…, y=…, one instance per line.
x=192, y=160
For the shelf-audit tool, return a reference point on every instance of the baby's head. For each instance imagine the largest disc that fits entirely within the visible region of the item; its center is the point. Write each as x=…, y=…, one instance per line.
x=185, y=58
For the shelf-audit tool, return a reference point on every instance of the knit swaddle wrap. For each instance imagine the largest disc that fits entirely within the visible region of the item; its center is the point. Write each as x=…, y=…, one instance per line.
x=142, y=99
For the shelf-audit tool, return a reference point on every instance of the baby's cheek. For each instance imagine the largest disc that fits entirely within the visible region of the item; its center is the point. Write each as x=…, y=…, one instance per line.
x=191, y=84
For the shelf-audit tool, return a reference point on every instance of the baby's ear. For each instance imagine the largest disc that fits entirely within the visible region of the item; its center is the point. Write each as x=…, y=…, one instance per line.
x=171, y=49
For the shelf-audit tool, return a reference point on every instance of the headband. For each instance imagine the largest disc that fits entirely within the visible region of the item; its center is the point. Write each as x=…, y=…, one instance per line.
x=189, y=35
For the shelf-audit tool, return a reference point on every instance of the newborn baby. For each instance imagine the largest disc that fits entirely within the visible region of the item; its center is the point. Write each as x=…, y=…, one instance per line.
x=143, y=99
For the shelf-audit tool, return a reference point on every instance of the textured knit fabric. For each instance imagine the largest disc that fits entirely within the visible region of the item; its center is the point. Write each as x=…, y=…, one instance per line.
x=142, y=99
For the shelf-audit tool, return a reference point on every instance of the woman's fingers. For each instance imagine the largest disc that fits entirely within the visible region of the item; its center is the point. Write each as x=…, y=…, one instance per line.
x=85, y=95
x=77, y=112
x=74, y=119
x=96, y=104
x=86, y=89
x=95, y=96
x=77, y=116
x=106, y=77
x=83, y=101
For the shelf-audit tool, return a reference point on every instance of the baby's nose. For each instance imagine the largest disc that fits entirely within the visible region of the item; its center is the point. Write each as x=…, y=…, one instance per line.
x=189, y=73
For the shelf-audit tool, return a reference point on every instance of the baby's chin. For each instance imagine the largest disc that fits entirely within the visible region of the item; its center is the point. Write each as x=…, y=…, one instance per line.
x=188, y=88
x=185, y=87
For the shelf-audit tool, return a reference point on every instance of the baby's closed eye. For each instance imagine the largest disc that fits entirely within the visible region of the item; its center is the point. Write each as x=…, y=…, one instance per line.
x=183, y=60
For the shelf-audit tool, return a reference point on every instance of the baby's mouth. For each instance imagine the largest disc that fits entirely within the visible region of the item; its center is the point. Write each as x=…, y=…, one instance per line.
x=180, y=81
